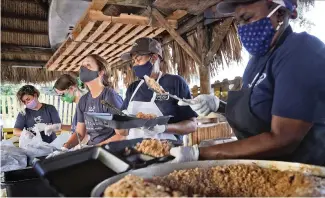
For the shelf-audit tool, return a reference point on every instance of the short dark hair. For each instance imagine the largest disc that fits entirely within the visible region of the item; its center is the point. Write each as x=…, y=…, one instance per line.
x=65, y=82
x=27, y=90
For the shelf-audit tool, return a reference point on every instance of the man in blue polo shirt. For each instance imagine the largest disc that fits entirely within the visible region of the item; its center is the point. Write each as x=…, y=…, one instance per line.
x=146, y=56
x=279, y=113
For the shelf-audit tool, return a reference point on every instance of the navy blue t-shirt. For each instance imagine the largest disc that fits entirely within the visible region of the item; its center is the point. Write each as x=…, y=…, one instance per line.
x=74, y=122
x=89, y=104
x=292, y=86
x=46, y=114
x=173, y=84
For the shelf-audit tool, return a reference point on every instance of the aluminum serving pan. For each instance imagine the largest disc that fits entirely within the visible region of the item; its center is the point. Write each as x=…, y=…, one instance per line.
x=165, y=169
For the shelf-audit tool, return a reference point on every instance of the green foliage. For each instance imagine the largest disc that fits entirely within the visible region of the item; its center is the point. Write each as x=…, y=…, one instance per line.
x=9, y=89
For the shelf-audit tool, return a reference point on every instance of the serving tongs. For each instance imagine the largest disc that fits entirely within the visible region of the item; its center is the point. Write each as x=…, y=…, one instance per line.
x=147, y=78
x=112, y=108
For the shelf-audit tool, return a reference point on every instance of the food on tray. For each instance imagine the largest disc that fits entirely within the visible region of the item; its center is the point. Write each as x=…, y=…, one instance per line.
x=230, y=180
x=133, y=186
x=153, y=147
x=145, y=116
x=154, y=85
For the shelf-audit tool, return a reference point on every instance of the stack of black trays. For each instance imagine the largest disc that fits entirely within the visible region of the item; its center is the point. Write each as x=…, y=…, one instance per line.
x=25, y=183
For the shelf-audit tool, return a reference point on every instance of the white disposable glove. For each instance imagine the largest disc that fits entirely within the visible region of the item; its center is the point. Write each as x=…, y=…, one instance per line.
x=56, y=153
x=38, y=127
x=151, y=132
x=82, y=146
x=185, y=153
x=203, y=104
x=27, y=134
x=49, y=129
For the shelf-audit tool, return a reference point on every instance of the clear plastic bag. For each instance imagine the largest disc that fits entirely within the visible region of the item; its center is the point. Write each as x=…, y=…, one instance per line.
x=12, y=158
x=34, y=145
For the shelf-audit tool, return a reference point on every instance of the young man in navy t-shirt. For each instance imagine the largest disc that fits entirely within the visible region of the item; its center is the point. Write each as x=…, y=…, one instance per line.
x=146, y=55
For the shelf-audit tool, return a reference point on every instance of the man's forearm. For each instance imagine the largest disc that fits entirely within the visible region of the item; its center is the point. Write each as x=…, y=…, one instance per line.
x=114, y=138
x=261, y=146
x=182, y=128
x=73, y=140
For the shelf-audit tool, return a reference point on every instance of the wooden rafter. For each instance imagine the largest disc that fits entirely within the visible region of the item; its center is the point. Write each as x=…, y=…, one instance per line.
x=96, y=15
x=189, y=25
x=108, y=36
x=21, y=50
x=6, y=15
x=176, y=36
x=17, y=30
x=22, y=63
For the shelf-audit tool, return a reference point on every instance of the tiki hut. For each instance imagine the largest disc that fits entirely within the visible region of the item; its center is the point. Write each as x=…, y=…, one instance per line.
x=25, y=46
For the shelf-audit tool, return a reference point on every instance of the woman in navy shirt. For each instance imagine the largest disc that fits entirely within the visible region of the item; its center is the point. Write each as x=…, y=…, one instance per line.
x=36, y=113
x=94, y=73
x=279, y=113
x=70, y=90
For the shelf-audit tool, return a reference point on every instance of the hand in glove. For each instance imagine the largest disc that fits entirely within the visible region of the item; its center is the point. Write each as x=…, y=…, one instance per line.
x=27, y=134
x=49, y=129
x=151, y=132
x=56, y=153
x=38, y=127
x=185, y=153
x=203, y=104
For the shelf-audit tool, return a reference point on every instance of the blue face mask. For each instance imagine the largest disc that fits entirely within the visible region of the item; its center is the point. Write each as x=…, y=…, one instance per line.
x=142, y=70
x=257, y=36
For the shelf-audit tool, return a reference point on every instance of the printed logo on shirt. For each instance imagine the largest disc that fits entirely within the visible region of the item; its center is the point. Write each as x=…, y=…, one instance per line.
x=92, y=126
x=262, y=77
x=38, y=119
x=162, y=97
x=91, y=109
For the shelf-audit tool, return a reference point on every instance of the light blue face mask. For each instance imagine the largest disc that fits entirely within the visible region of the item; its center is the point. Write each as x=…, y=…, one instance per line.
x=257, y=36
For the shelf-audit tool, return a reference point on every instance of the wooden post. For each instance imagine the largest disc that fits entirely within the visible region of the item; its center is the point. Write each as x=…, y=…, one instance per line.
x=204, y=69
x=205, y=86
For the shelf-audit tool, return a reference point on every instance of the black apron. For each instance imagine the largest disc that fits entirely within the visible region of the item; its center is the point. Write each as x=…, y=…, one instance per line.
x=238, y=110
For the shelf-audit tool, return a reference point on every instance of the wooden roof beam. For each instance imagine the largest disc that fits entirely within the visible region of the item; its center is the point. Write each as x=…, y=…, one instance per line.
x=186, y=27
x=186, y=47
x=14, y=30
x=5, y=15
x=96, y=15
x=23, y=63
x=16, y=49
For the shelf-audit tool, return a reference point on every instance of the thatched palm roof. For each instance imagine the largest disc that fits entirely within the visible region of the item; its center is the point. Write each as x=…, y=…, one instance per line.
x=25, y=38
x=25, y=41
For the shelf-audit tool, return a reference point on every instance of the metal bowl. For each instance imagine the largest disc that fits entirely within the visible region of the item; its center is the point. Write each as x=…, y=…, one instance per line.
x=165, y=169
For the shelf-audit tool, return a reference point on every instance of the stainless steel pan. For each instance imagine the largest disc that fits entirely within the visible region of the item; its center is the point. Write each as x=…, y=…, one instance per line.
x=165, y=169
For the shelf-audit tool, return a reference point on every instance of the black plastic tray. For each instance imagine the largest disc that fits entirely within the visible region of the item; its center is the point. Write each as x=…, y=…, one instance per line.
x=133, y=157
x=76, y=173
x=124, y=122
x=25, y=183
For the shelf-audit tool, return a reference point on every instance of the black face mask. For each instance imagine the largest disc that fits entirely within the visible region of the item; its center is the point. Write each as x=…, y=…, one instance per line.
x=87, y=75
